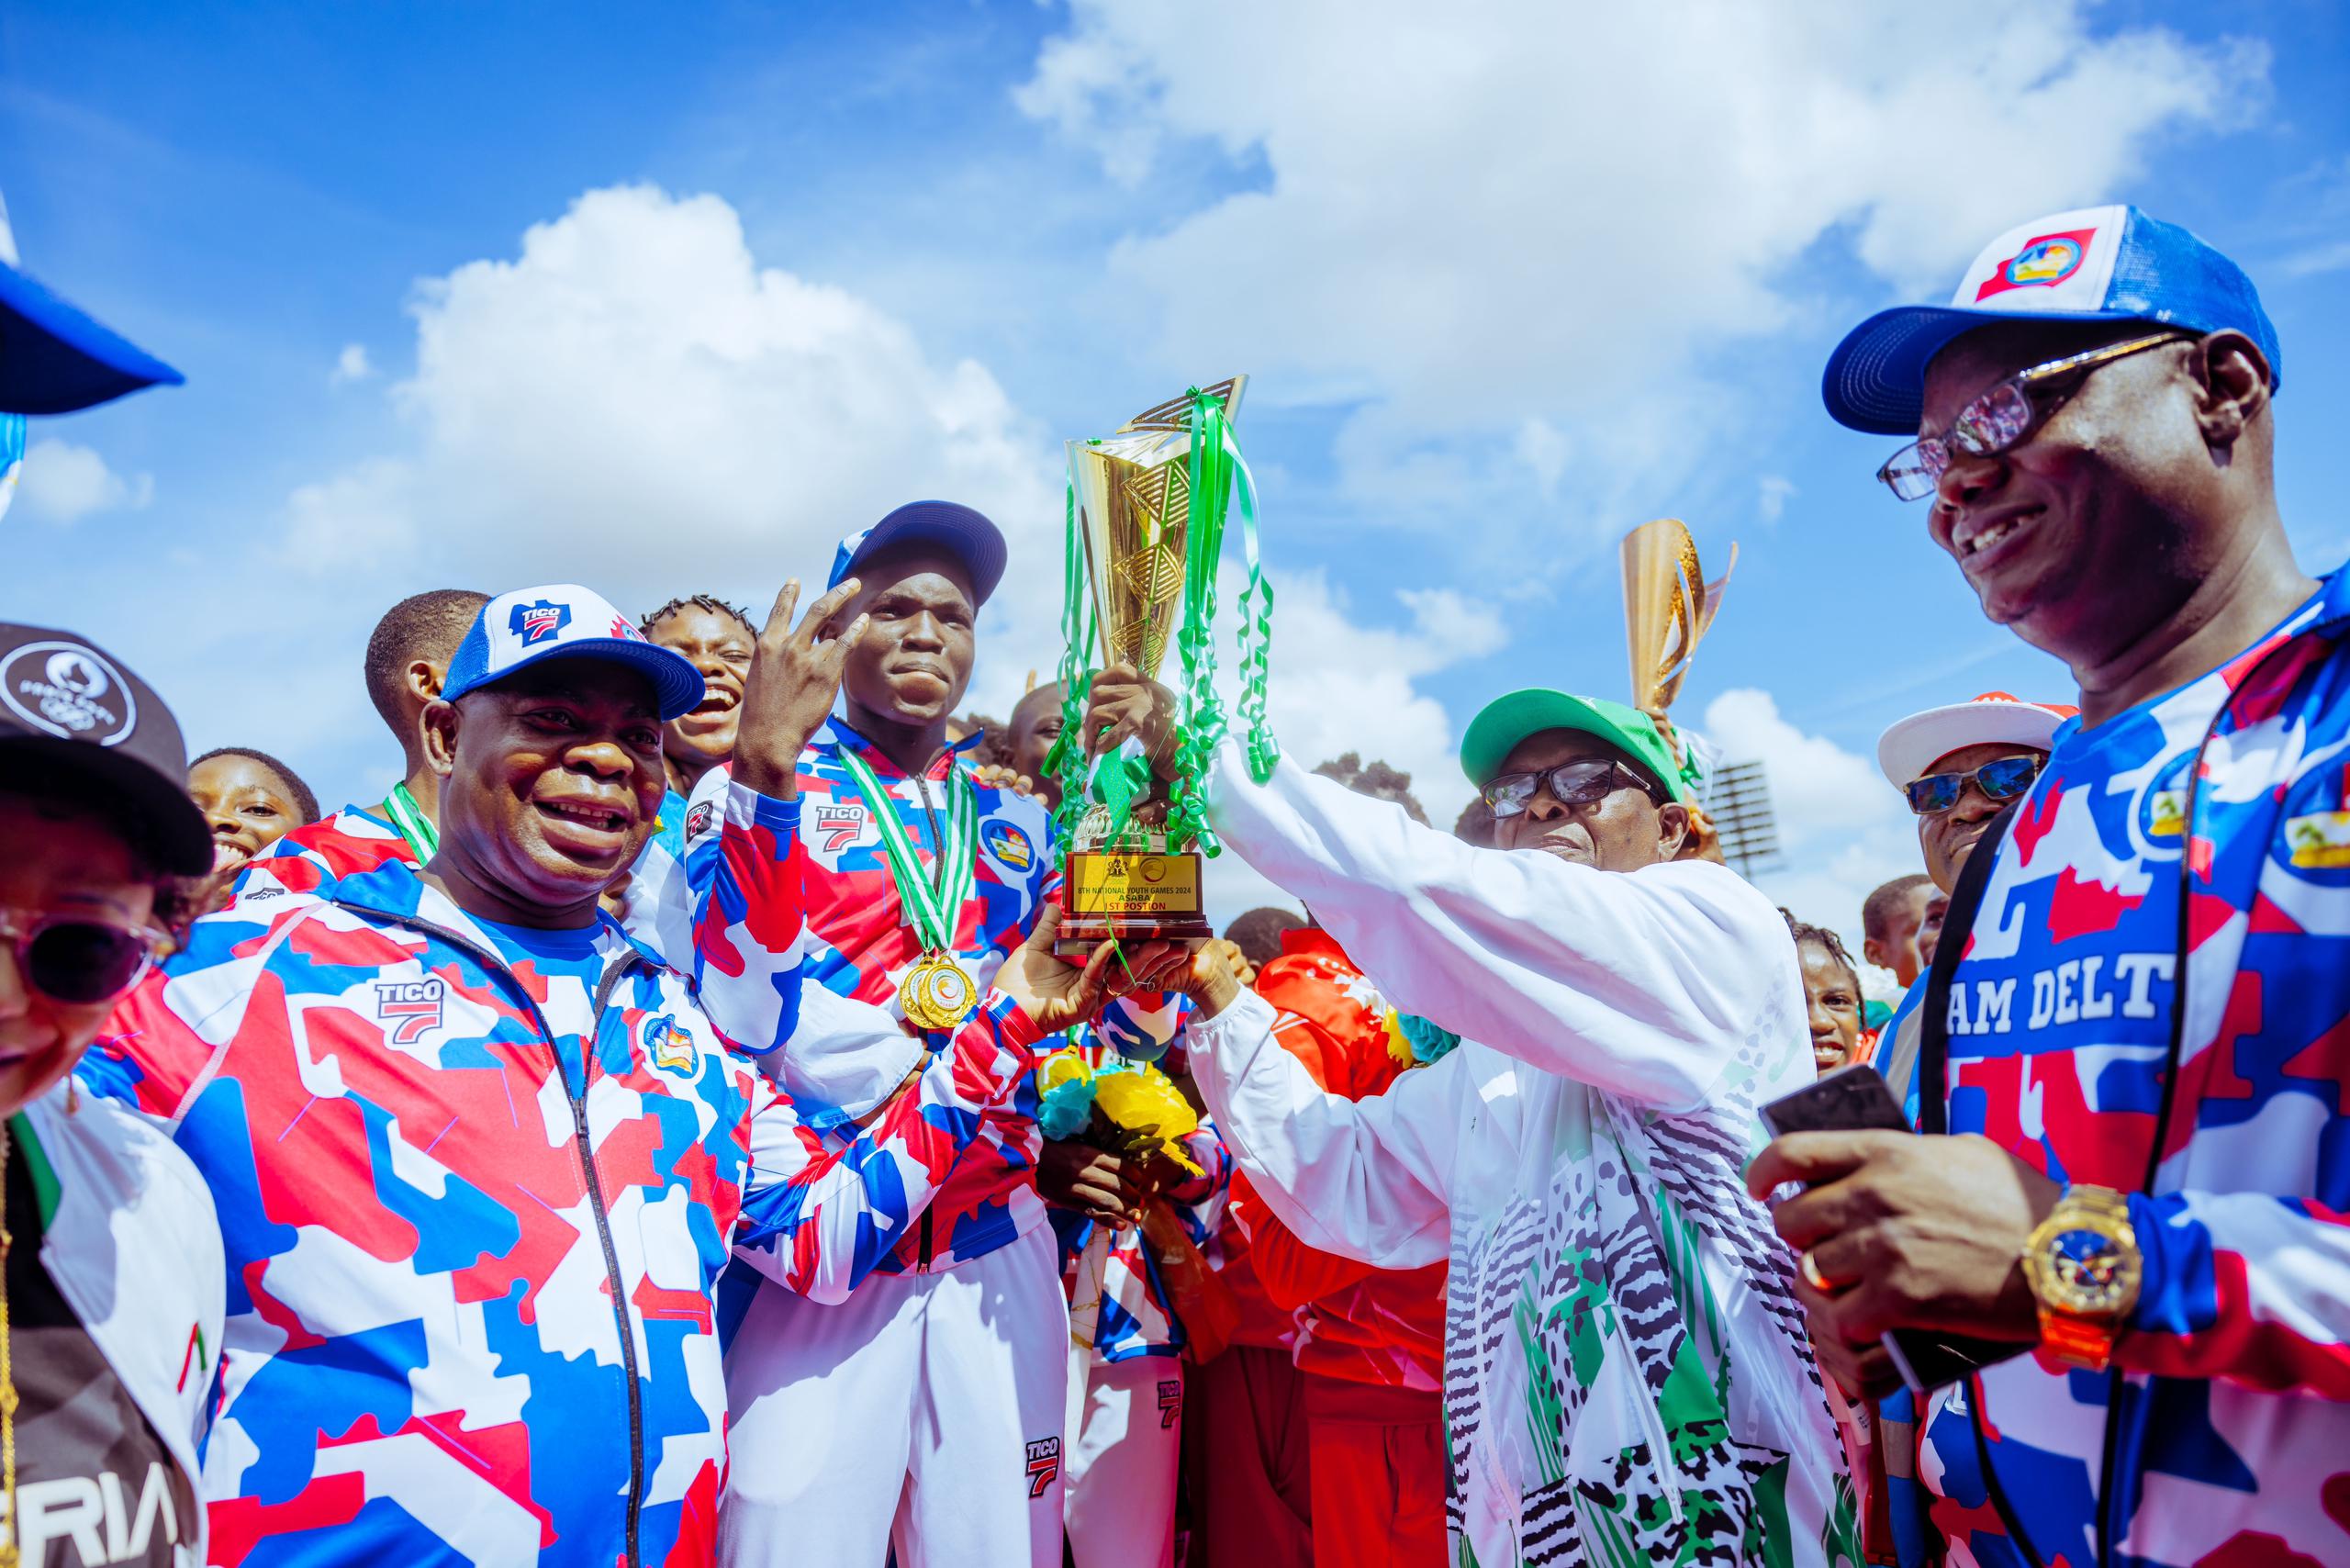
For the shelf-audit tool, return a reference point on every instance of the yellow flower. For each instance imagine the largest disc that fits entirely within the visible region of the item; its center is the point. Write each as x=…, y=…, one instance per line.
x=1139, y=1097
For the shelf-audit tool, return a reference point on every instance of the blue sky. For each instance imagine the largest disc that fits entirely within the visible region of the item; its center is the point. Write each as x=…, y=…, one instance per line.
x=1511, y=278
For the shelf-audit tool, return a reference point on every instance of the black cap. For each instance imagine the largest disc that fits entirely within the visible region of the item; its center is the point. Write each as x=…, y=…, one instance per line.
x=66, y=699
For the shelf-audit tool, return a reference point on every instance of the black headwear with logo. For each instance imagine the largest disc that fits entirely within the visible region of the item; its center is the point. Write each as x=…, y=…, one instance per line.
x=66, y=703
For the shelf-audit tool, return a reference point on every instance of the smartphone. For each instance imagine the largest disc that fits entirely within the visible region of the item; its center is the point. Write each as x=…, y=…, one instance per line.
x=1858, y=1098
x=1851, y=1099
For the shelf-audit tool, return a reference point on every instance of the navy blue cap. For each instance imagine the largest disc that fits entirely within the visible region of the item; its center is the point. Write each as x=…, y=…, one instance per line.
x=2096, y=263
x=54, y=359
x=565, y=621
x=963, y=533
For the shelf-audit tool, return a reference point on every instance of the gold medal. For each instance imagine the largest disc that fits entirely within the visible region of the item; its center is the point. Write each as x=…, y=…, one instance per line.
x=937, y=993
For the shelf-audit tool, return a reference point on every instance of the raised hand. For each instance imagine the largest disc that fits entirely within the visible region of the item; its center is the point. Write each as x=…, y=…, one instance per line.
x=1075, y=1175
x=1123, y=703
x=795, y=674
x=1204, y=972
x=1056, y=994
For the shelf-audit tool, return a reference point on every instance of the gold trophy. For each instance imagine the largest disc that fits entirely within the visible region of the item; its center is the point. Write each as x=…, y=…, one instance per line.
x=1668, y=606
x=1134, y=507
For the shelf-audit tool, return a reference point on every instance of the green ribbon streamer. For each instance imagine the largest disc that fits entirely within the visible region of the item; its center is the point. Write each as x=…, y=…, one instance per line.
x=930, y=909
x=1218, y=471
x=414, y=825
x=1067, y=759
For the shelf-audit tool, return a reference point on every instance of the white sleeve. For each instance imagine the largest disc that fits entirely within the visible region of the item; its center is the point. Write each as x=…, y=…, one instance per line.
x=1643, y=985
x=1363, y=1178
x=844, y=1059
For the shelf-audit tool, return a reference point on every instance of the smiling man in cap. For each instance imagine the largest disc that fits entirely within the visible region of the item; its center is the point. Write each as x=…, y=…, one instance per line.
x=1577, y=1159
x=480, y=1159
x=2144, y=1033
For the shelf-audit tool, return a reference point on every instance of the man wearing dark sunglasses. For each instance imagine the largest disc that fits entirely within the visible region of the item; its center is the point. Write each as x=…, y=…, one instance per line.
x=110, y=1315
x=1957, y=767
x=1577, y=1159
x=2145, y=1025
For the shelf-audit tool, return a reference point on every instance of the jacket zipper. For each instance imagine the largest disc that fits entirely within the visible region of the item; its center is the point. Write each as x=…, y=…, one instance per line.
x=924, y=1248
x=579, y=1099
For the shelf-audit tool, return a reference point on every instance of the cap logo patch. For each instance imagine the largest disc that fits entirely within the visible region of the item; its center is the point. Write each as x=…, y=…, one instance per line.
x=68, y=690
x=538, y=622
x=2045, y=260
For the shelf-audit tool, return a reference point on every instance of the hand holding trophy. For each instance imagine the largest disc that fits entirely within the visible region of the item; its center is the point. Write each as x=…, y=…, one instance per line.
x=1147, y=512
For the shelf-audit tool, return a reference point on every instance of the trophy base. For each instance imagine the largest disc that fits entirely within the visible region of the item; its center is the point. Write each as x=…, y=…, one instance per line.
x=1130, y=896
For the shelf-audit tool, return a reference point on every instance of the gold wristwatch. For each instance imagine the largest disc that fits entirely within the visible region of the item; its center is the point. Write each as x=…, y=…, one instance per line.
x=2085, y=1269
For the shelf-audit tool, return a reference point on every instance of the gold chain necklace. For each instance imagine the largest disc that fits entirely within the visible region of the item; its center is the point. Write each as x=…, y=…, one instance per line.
x=7, y=1368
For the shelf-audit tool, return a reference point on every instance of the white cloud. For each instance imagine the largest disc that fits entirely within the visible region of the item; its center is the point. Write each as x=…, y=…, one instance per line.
x=1488, y=220
x=350, y=364
x=633, y=401
x=62, y=483
x=1842, y=829
x=1772, y=493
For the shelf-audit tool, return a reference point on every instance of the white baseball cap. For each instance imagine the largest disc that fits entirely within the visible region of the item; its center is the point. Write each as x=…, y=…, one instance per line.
x=1915, y=744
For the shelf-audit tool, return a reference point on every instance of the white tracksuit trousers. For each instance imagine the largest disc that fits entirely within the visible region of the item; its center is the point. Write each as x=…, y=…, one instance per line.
x=924, y=1411
x=1125, y=1441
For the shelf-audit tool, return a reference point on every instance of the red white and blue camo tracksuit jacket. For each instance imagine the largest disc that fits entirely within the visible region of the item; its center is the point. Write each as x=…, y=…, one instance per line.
x=472, y=1258
x=2222, y=1436
x=850, y=1045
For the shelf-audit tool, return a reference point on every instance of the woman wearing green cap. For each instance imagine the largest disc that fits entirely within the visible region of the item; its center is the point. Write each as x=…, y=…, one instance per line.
x=1627, y=1374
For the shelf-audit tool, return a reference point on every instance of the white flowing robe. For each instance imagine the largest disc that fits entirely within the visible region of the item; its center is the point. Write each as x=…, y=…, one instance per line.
x=1626, y=1363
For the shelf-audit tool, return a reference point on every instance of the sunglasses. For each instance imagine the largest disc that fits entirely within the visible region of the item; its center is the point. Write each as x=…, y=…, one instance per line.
x=2002, y=780
x=1572, y=784
x=79, y=960
x=2002, y=418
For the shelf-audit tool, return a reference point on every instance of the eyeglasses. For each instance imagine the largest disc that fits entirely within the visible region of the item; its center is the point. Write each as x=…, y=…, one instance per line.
x=2001, y=780
x=1572, y=784
x=78, y=959
x=2000, y=418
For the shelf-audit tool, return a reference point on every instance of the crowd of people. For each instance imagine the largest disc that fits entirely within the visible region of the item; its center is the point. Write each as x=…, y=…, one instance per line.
x=660, y=1127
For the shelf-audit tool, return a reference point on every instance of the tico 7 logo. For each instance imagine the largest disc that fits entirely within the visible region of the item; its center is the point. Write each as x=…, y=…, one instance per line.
x=414, y=1007
x=839, y=826
x=1044, y=1464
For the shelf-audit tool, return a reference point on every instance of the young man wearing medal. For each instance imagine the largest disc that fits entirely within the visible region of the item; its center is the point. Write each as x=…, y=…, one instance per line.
x=926, y=1410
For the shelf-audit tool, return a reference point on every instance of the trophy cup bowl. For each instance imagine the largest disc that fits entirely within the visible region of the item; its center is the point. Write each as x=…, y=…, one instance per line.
x=1124, y=880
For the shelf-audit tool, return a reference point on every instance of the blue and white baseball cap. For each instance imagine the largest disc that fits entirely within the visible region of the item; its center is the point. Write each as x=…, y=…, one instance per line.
x=964, y=532
x=564, y=620
x=2094, y=263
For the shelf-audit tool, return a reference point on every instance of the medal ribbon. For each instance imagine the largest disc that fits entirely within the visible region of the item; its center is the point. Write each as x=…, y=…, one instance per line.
x=928, y=907
x=414, y=825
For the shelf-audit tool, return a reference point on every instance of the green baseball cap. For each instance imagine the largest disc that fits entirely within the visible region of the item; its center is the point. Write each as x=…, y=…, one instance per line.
x=1494, y=732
